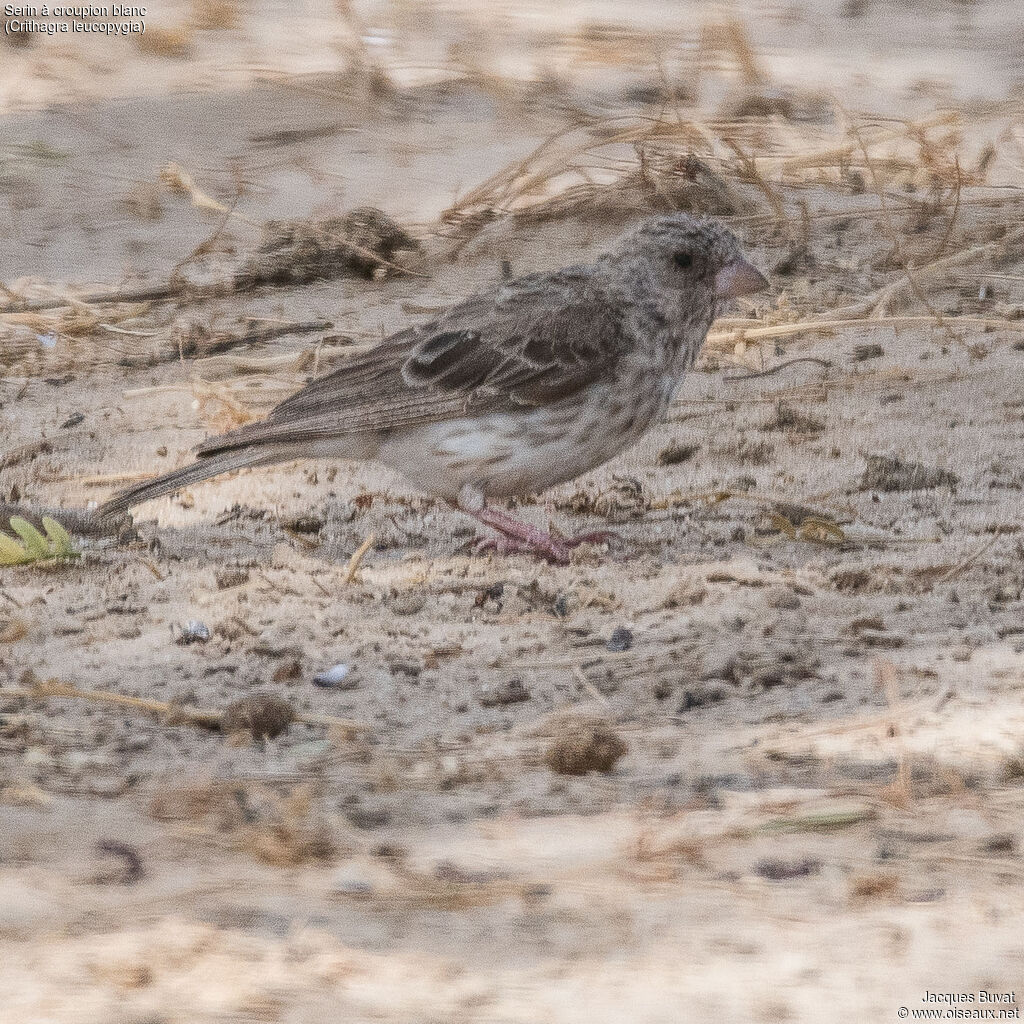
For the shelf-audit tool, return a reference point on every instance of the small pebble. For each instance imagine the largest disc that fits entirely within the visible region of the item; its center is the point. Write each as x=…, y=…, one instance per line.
x=193, y=632
x=662, y=689
x=127, y=871
x=620, y=640
x=368, y=817
x=335, y=678
x=702, y=693
x=776, y=870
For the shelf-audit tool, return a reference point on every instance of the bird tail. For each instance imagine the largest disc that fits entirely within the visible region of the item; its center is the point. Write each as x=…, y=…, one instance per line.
x=202, y=469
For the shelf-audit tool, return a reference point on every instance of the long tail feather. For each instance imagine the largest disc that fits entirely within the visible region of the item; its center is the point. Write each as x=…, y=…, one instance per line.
x=202, y=469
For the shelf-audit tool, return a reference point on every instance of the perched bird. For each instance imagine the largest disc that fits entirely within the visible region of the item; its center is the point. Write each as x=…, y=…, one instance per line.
x=514, y=390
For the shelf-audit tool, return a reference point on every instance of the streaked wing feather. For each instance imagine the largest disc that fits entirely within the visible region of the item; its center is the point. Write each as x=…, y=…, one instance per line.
x=546, y=337
x=537, y=340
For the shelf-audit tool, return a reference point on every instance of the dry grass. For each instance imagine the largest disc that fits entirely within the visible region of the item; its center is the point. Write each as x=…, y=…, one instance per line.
x=599, y=157
x=612, y=166
x=283, y=830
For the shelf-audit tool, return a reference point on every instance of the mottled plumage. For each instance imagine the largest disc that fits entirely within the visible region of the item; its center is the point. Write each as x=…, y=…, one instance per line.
x=515, y=389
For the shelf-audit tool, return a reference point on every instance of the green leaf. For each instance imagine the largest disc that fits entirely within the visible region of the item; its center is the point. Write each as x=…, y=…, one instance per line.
x=36, y=545
x=11, y=552
x=59, y=538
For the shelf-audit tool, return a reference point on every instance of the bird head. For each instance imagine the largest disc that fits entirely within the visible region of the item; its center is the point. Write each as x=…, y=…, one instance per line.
x=697, y=257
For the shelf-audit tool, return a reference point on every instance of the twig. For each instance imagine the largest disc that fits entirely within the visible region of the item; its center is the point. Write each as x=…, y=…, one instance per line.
x=147, y=294
x=883, y=296
x=775, y=369
x=206, y=718
x=824, y=821
x=105, y=479
x=753, y=173
x=729, y=336
x=218, y=343
x=970, y=559
x=113, y=329
x=53, y=688
x=206, y=245
x=586, y=684
x=357, y=557
x=152, y=567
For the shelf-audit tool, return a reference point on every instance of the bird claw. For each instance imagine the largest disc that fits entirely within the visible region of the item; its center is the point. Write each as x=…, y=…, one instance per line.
x=557, y=552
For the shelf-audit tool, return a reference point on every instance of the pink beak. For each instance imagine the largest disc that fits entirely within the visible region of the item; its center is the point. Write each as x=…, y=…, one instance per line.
x=739, y=278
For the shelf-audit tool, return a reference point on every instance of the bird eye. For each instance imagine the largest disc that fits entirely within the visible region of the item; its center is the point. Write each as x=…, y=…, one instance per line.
x=683, y=260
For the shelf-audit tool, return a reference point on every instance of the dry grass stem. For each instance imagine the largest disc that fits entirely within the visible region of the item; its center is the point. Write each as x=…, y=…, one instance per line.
x=357, y=557
x=206, y=718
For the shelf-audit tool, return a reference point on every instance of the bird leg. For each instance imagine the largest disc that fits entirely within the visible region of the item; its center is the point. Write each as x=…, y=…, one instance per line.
x=519, y=537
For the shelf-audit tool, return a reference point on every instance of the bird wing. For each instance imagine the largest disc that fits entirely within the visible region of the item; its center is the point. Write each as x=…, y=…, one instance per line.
x=534, y=341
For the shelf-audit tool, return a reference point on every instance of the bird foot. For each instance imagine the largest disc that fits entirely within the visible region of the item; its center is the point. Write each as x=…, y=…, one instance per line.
x=517, y=537
x=554, y=549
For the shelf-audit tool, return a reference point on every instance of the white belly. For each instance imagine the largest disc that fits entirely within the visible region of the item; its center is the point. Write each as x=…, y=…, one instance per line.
x=504, y=454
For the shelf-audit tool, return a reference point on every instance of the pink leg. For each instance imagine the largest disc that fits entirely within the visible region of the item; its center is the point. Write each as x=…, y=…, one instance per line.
x=518, y=536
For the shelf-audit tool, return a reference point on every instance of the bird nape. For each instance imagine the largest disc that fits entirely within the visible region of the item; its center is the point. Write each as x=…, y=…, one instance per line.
x=515, y=389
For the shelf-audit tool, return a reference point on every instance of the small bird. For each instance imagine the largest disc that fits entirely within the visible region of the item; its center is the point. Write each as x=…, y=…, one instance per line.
x=513, y=390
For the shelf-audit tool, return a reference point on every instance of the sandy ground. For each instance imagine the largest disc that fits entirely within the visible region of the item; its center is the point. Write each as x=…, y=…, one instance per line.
x=812, y=660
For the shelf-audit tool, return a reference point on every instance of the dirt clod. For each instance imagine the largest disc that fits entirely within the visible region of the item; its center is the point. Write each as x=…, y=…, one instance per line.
x=262, y=715
x=295, y=252
x=594, y=748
